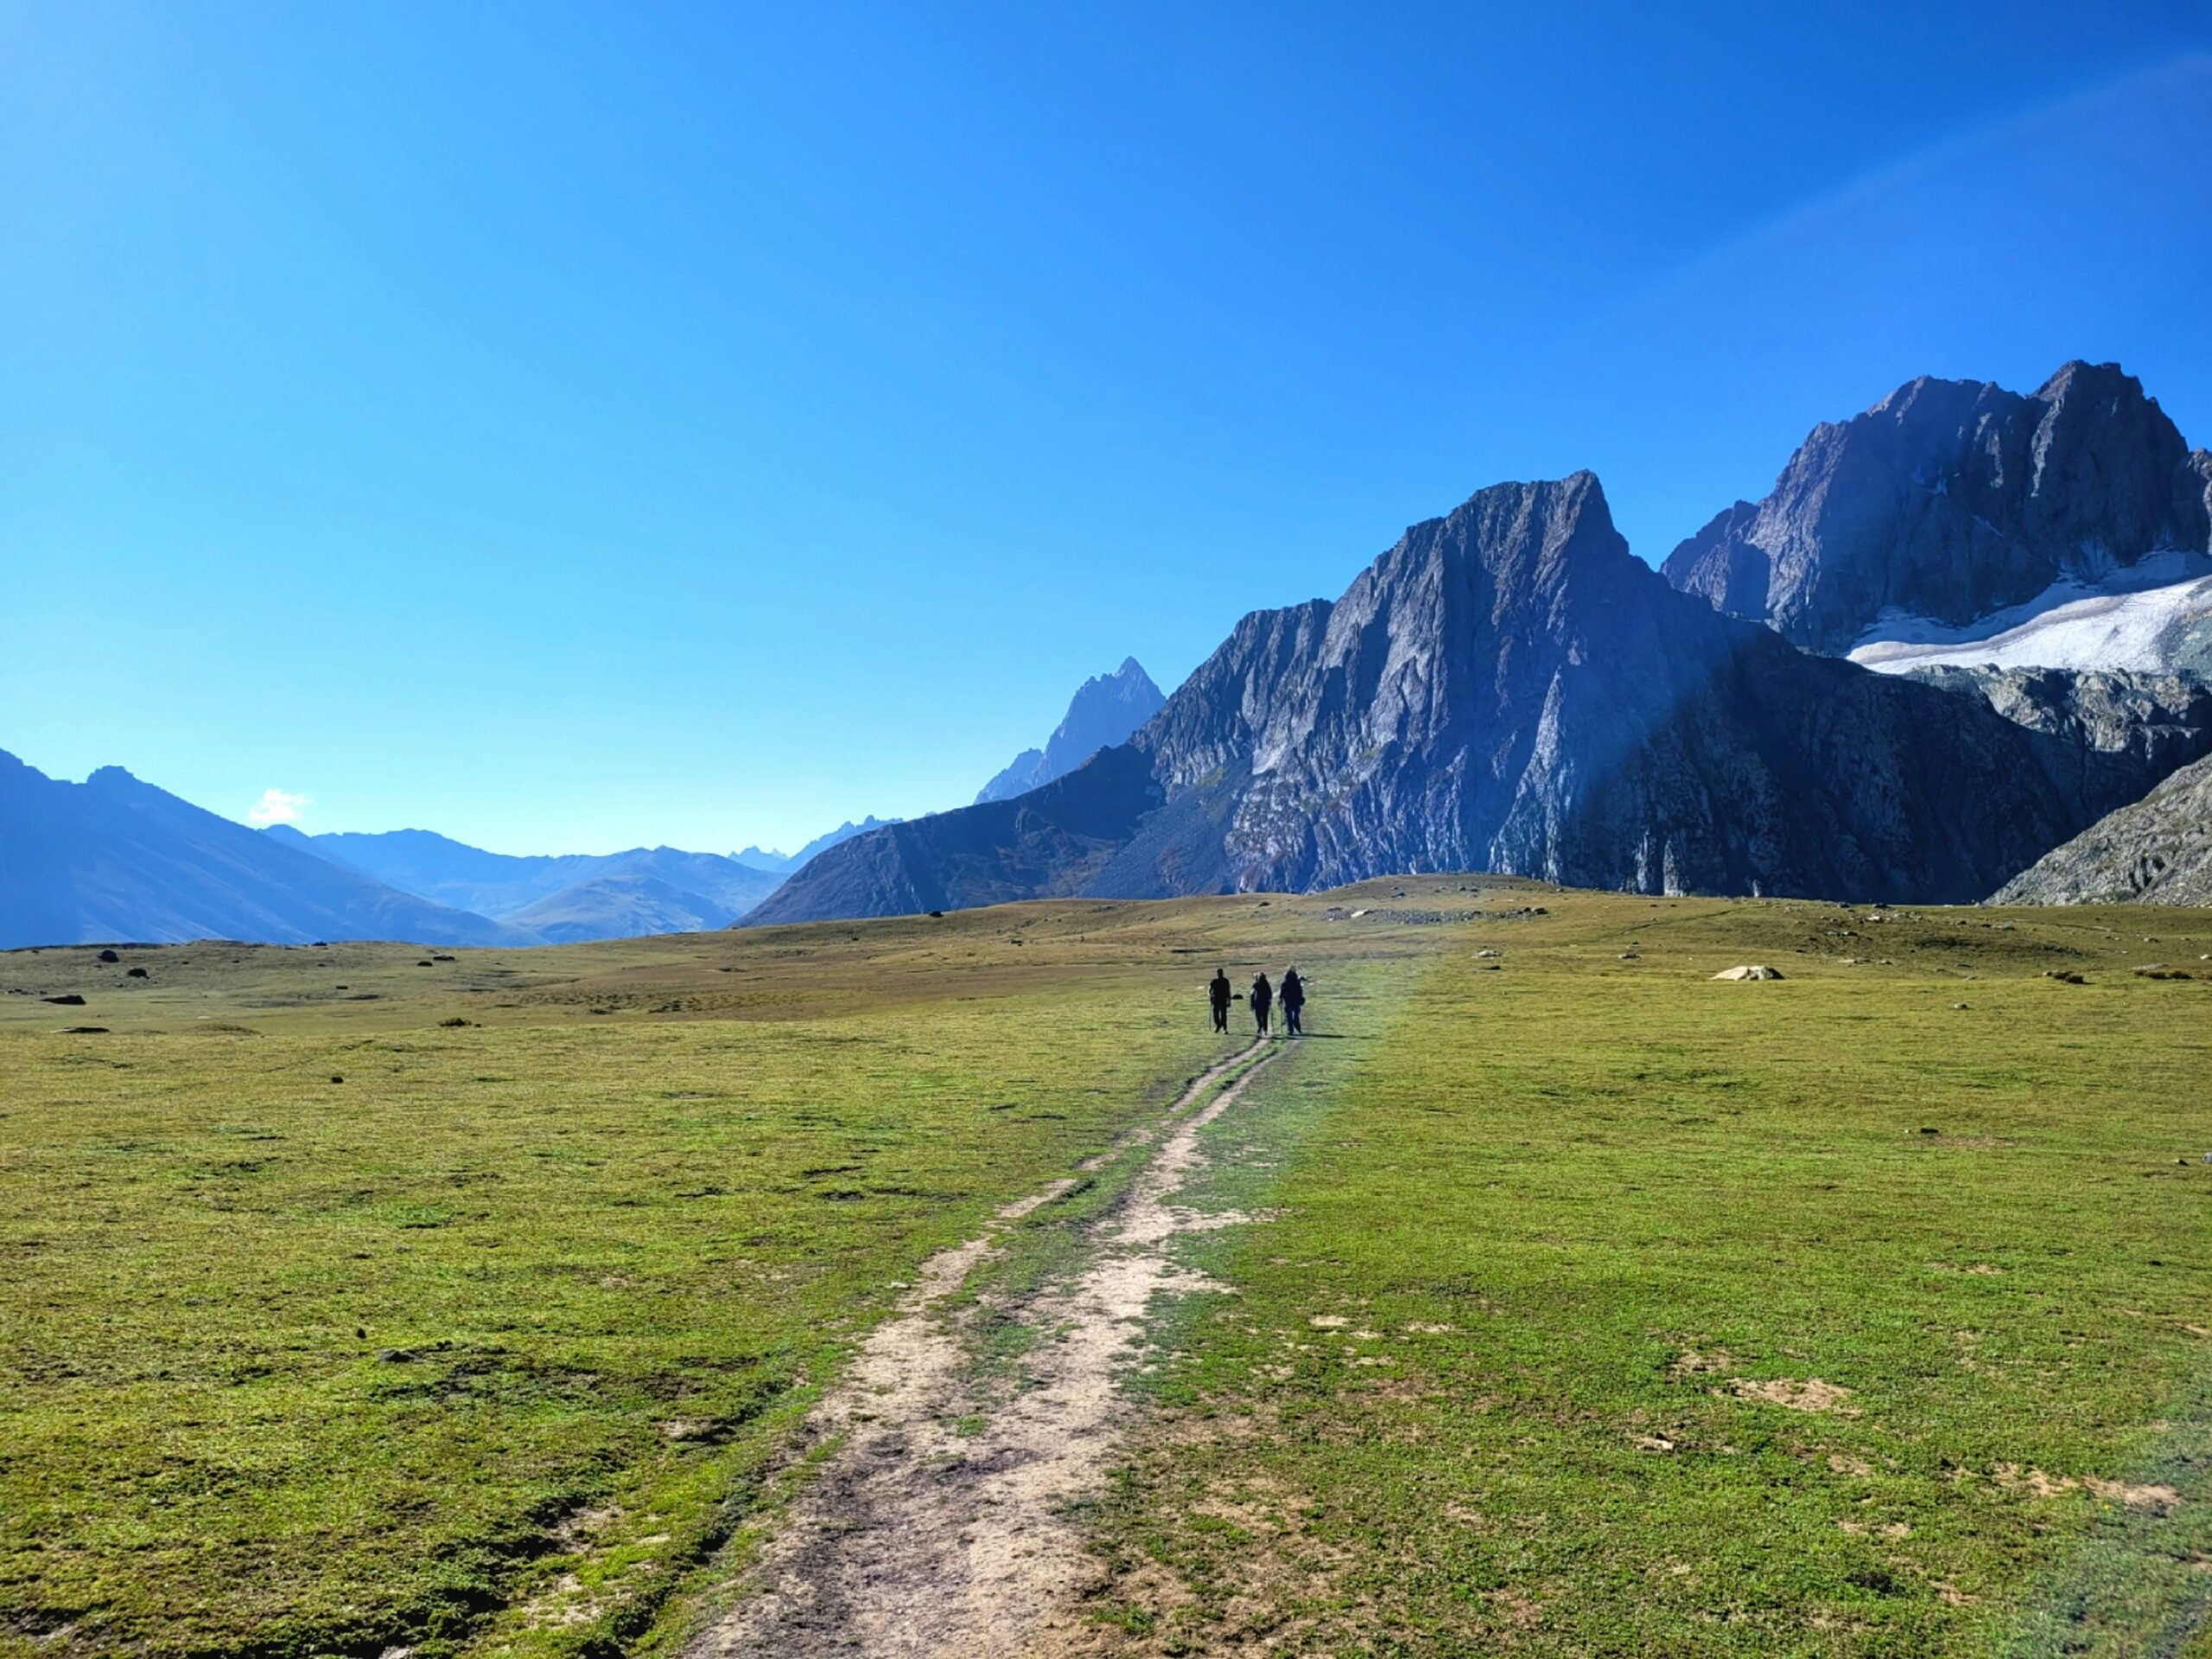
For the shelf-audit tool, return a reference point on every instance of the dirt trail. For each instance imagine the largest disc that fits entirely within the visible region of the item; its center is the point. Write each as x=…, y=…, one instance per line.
x=916, y=1539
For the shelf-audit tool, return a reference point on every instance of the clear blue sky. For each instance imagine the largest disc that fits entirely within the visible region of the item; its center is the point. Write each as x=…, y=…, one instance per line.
x=566, y=427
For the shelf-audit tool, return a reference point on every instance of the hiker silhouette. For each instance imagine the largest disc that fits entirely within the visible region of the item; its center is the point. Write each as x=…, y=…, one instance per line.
x=1263, y=997
x=1219, y=992
x=1292, y=996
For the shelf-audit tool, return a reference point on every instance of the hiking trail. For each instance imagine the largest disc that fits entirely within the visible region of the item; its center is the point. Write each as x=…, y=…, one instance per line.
x=938, y=1525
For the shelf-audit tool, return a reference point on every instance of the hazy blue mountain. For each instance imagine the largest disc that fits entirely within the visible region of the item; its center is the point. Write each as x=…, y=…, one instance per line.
x=782, y=864
x=436, y=866
x=113, y=858
x=585, y=891
x=1510, y=689
x=725, y=883
x=1019, y=776
x=1106, y=710
x=760, y=858
x=499, y=884
x=623, y=905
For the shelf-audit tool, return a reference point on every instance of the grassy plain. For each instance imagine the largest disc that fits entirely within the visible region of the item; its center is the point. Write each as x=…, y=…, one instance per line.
x=489, y=1344
x=1606, y=1309
x=1594, y=1306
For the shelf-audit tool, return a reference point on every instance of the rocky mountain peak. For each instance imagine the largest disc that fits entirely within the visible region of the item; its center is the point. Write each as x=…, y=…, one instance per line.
x=2108, y=469
x=2103, y=385
x=118, y=783
x=1532, y=538
x=1950, y=500
x=1506, y=688
x=1105, y=710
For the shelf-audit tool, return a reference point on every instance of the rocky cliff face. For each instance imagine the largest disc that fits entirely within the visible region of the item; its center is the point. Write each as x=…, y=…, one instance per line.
x=1950, y=500
x=1104, y=711
x=2163, y=720
x=1509, y=689
x=2159, y=851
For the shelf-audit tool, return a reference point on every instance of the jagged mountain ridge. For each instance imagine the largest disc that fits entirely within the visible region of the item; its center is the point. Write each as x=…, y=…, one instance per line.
x=1509, y=689
x=1106, y=710
x=1950, y=501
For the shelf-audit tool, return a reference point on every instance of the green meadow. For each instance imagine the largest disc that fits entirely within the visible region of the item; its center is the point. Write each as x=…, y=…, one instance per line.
x=360, y=1298
x=1601, y=1308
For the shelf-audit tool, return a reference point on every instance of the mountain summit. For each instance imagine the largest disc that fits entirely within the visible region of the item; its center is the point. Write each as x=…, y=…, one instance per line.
x=1950, y=501
x=1509, y=689
x=1104, y=711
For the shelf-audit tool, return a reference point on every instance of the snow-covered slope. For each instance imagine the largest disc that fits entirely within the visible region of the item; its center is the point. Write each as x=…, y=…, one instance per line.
x=2153, y=616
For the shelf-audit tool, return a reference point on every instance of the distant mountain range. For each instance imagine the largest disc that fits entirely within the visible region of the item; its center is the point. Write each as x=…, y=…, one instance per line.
x=1956, y=649
x=113, y=858
x=760, y=858
x=1107, y=710
x=1508, y=689
x=560, y=899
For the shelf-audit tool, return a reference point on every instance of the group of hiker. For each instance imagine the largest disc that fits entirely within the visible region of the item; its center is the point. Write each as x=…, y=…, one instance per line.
x=1262, y=999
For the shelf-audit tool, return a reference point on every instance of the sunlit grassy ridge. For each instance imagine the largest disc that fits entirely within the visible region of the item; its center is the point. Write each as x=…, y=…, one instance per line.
x=1602, y=1308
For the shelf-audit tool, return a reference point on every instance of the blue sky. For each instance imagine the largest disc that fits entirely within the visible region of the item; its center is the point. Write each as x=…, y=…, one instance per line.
x=568, y=427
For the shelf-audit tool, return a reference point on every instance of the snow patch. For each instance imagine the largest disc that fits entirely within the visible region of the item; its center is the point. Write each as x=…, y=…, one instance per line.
x=2115, y=622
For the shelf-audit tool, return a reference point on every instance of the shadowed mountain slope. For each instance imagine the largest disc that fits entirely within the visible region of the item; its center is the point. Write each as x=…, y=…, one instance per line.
x=1509, y=689
x=2165, y=720
x=1051, y=841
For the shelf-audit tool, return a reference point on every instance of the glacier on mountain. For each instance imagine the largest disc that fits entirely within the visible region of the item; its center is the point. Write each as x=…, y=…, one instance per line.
x=2152, y=616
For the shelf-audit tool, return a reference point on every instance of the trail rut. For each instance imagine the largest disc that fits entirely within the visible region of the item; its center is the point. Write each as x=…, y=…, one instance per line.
x=918, y=1540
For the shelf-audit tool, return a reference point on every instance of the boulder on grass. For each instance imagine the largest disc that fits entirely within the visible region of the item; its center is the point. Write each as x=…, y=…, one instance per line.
x=1749, y=971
